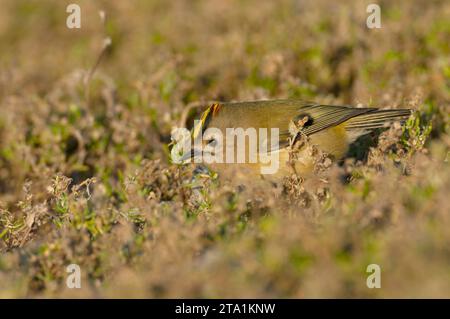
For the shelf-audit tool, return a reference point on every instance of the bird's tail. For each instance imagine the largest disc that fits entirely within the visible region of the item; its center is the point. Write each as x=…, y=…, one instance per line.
x=377, y=119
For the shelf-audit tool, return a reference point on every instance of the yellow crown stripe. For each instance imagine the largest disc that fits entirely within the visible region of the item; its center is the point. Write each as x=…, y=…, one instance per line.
x=199, y=126
x=210, y=111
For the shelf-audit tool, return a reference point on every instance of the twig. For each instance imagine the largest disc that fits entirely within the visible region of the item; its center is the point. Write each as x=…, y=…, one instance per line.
x=105, y=46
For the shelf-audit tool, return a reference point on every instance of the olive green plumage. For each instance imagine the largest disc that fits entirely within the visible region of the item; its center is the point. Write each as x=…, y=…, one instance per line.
x=329, y=127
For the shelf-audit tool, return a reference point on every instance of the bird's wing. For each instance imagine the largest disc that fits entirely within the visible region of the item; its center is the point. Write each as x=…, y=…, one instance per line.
x=316, y=118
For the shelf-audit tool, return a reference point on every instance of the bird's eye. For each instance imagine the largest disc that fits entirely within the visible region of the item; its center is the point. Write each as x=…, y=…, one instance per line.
x=212, y=142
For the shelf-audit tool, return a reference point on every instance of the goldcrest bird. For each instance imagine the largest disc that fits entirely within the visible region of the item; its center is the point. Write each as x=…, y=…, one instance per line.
x=330, y=128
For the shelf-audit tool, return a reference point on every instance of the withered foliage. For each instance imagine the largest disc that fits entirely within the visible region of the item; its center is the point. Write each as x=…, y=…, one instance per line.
x=85, y=175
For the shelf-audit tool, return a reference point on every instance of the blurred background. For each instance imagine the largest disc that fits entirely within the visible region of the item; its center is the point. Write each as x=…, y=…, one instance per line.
x=85, y=175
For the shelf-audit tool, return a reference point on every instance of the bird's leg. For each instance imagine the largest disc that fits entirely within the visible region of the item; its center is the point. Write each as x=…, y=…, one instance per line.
x=296, y=141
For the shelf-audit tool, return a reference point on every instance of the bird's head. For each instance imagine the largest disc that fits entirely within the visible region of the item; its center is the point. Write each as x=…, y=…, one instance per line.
x=206, y=133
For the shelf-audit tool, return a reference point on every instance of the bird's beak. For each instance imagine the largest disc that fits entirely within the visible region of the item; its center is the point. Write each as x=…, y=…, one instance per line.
x=191, y=155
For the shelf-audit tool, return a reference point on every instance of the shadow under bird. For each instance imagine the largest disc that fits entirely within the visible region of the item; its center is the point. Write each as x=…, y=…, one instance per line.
x=330, y=128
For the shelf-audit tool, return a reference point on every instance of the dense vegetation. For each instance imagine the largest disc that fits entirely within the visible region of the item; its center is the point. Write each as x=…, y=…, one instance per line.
x=85, y=175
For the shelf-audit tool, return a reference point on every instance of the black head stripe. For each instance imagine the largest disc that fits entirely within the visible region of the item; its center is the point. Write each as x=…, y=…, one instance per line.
x=205, y=119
